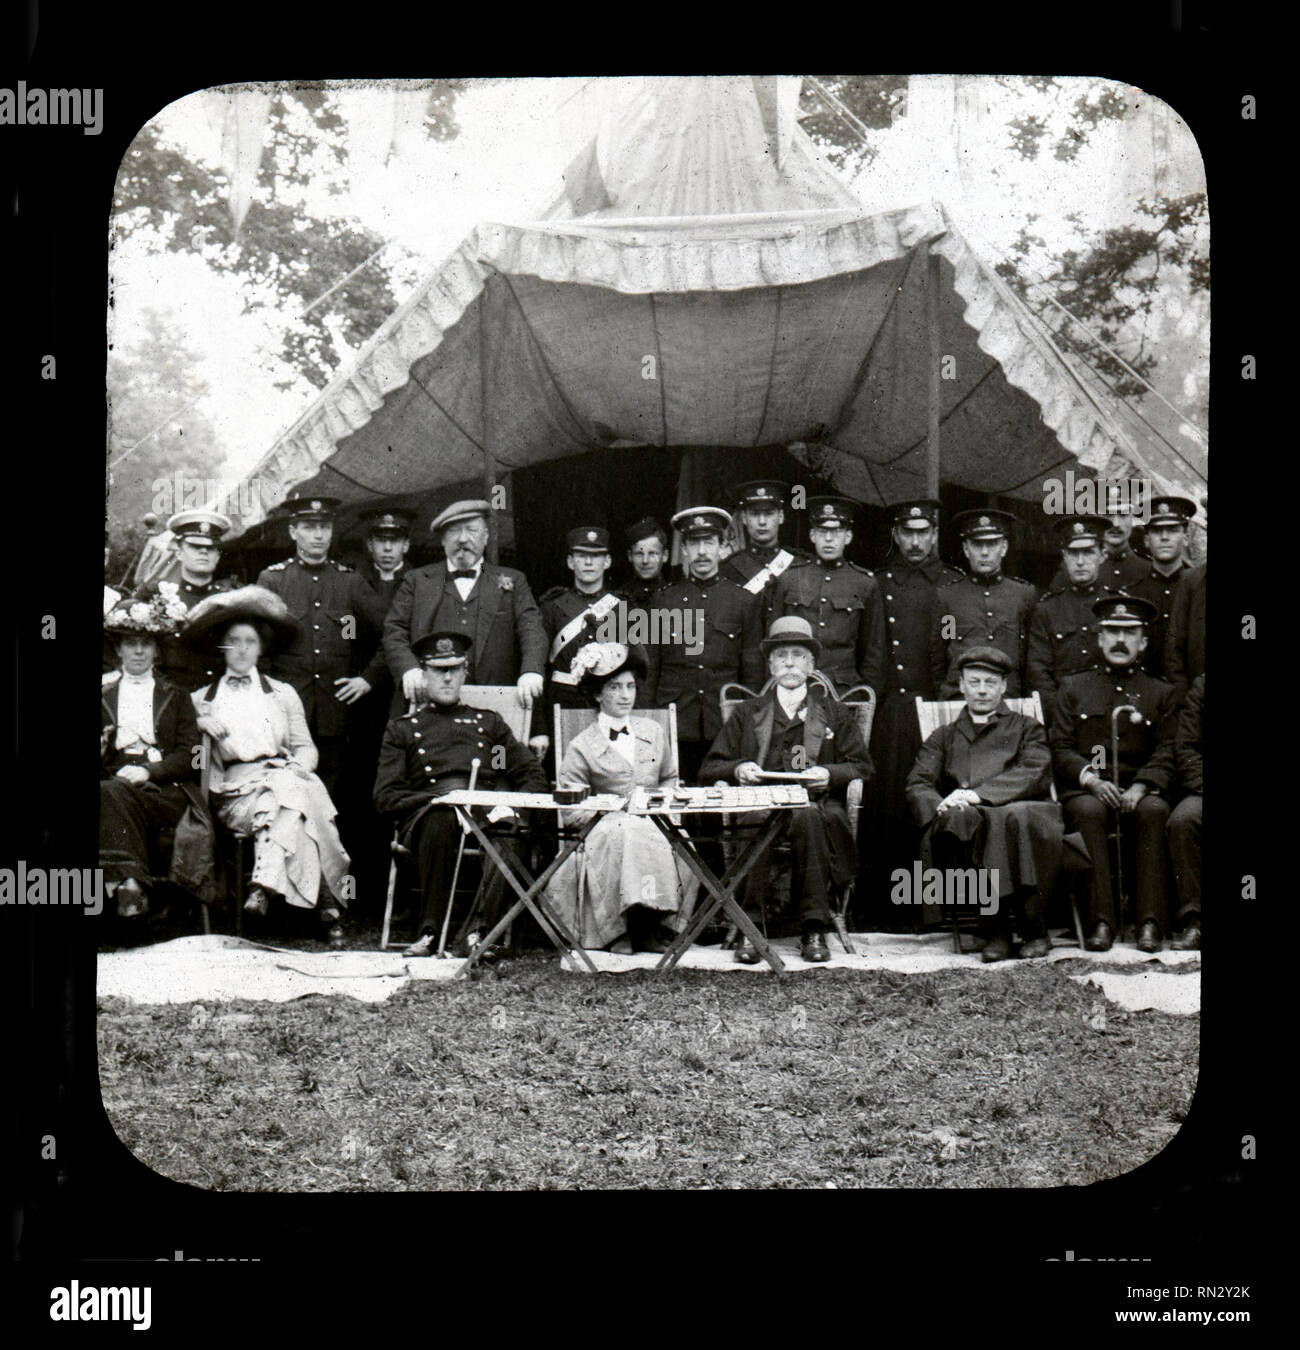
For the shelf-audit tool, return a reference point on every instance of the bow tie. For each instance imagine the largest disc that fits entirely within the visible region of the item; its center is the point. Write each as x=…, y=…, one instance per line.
x=464, y=574
x=239, y=681
x=616, y=732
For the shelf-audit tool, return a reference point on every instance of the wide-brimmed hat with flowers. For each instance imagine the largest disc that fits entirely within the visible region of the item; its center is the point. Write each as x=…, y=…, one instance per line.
x=597, y=662
x=156, y=615
x=247, y=604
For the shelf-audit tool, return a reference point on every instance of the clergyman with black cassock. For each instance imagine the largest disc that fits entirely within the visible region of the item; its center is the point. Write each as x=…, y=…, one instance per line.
x=149, y=739
x=322, y=660
x=980, y=789
x=794, y=728
x=429, y=753
x=1133, y=795
x=909, y=579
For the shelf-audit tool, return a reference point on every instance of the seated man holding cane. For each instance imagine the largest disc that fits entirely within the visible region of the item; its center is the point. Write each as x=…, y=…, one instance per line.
x=979, y=789
x=796, y=728
x=430, y=752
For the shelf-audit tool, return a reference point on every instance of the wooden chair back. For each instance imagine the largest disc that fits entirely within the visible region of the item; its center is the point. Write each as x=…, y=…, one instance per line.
x=932, y=716
x=502, y=699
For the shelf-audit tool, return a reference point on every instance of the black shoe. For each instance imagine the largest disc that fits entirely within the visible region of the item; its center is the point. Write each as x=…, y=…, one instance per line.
x=1100, y=939
x=336, y=937
x=258, y=903
x=997, y=948
x=656, y=942
x=1149, y=939
x=747, y=954
x=1039, y=946
x=1189, y=939
x=813, y=947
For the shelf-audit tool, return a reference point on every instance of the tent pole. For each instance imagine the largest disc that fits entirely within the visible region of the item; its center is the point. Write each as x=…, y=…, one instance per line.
x=489, y=461
x=936, y=356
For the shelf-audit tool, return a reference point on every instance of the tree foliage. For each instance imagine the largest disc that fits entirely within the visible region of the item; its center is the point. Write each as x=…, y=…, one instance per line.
x=282, y=256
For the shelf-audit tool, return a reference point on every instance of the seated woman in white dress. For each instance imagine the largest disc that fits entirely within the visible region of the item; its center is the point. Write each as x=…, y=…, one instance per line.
x=625, y=889
x=262, y=759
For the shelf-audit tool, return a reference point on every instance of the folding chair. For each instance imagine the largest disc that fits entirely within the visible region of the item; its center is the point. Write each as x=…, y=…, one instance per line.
x=502, y=699
x=932, y=716
x=569, y=722
x=862, y=700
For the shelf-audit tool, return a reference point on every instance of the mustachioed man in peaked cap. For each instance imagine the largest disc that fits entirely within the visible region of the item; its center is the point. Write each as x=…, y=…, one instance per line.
x=713, y=638
x=986, y=608
x=323, y=662
x=465, y=593
x=1095, y=791
x=840, y=600
x=430, y=752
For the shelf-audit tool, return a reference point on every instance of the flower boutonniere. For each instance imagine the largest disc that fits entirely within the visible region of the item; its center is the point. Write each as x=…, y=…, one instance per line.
x=506, y=583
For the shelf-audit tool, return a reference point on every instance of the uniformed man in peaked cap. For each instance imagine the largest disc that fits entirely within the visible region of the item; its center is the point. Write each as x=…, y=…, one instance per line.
x=1063, y=627
x=840, y=600
x=1121, y=568
x=573, y=615
x=909, y=582
x=713, y=638
x=1138, y=788
x=430, y=752
x=322, y=662
x=985, y=608
x=198, y=535
x=1166, y=541
x=758, y=566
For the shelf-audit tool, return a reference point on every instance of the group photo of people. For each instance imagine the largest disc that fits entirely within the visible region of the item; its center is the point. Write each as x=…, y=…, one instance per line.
x=316, y=713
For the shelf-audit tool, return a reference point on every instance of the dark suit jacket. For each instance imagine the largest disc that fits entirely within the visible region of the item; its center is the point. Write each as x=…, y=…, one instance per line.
x=1185, y=637
x=1006, y=760
x=831, y=739
x=1187, y=741
x=509, y=641
x=175, y=726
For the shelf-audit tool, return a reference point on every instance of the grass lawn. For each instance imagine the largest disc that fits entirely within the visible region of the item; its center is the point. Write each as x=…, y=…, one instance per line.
x=534, y=1079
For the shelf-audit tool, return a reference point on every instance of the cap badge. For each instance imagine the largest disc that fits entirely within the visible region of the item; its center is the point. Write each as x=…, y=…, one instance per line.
x=444, y=647
x=915, y=511
x=591, y=536
x=984, y=520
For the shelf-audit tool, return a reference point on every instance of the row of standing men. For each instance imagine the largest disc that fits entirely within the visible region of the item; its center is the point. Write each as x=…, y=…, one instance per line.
x=898, y=630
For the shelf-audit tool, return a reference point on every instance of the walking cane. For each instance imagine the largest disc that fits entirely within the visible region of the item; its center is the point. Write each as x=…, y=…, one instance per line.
x=1119, y=814
x=460, y=853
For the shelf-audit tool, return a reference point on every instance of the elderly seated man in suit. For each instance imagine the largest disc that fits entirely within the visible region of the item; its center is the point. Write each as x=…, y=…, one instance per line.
x=980, y=789
x=795, y=728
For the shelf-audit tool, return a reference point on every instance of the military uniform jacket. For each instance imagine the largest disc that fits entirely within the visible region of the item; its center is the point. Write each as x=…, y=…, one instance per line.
x=988, y=612
x=559, y=607
x=185, y=668
x=1005, y=760
x=843, y=605
x=743, y=566
x=322, y=599
x=693, y=680
x=1146, y=748
x=1160, y=591
x=640, y=594
x=436, y=743
x=830, y=739
x=1187, y=740
x=508, y=639
x=1117, y=574
x=373, y=599
x=1062, y=640
x=1184, y=656
x=914, y=662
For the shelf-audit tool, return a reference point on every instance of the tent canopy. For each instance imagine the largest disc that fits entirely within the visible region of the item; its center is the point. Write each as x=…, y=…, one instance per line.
x=705, y=279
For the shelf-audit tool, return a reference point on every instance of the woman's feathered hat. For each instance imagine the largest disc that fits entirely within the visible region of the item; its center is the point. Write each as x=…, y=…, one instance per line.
x=248, y=604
